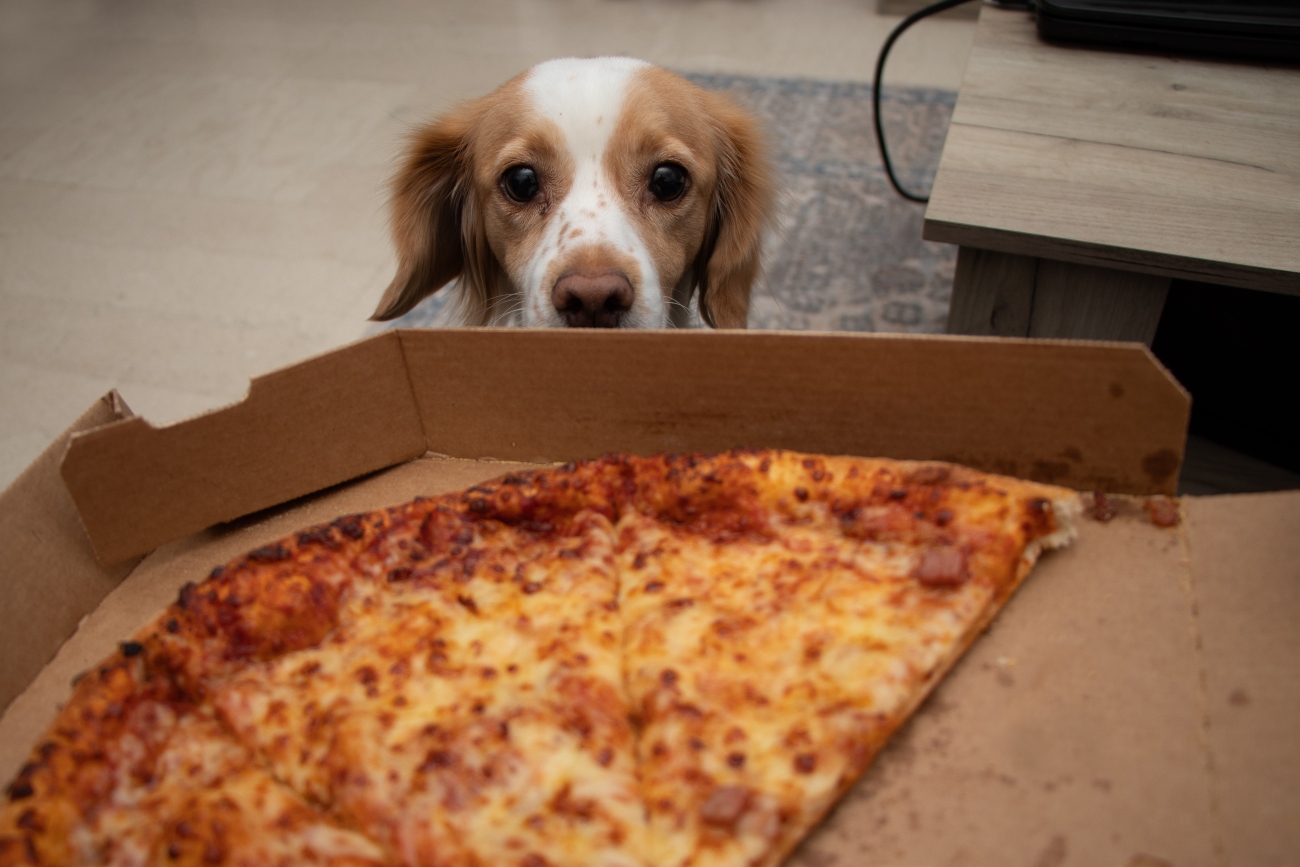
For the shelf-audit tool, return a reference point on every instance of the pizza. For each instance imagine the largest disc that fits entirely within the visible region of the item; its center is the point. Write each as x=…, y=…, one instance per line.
x=671, y=660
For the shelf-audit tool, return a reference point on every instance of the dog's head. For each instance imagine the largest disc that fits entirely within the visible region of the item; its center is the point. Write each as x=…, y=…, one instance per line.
x=603, y=192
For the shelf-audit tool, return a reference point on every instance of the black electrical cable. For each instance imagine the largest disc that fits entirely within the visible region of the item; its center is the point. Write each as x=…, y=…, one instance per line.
x=880, y=74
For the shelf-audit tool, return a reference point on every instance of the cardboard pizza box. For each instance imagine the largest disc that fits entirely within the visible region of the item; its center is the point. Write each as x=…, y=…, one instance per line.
x=1134, y=704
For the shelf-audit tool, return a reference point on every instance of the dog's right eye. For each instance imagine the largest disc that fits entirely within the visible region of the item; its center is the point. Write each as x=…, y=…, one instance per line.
x=520, y=184
x=668, y=182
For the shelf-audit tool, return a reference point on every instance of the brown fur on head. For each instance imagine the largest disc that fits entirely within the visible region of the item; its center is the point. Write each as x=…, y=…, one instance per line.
x=547, y=202
x=730, y=257
x=435, y=223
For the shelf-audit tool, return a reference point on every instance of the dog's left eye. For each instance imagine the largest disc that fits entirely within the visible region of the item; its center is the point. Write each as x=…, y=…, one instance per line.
x=668, y=182
x=520, y=183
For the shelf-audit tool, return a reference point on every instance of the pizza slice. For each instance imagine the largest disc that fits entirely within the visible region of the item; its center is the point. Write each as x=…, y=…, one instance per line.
x=784, y=614
x=134, y=773
x=467, y=705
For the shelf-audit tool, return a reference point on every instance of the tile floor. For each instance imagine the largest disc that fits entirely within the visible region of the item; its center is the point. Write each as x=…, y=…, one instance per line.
x=191, y=192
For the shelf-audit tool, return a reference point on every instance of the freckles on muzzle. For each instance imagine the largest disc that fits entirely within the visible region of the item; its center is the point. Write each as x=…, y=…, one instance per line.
x=587, y=299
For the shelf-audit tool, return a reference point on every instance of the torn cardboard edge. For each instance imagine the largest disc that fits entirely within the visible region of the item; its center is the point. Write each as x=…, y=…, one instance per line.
x=1097, y=416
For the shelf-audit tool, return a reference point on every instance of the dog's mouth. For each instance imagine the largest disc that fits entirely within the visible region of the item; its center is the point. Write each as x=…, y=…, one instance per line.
x=593, y=300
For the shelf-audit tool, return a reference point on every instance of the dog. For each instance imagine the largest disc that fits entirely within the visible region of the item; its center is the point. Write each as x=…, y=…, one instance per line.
x=584, y=193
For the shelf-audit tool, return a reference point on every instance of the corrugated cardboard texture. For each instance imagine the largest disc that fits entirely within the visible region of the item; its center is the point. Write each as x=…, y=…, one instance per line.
x=1090, y=415
x=1246, y=576
x=301, y=429
x=1091, y=725
x=51, y=575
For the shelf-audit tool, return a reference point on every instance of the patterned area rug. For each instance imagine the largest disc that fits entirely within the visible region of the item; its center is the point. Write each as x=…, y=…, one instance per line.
x=845, y=253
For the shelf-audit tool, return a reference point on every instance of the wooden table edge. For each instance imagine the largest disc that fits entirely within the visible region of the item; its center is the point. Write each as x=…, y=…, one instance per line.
x=1105, y=256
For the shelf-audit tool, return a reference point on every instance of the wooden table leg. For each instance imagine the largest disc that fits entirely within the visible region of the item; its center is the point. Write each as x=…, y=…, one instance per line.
x=1006, y=295
x=992, y=293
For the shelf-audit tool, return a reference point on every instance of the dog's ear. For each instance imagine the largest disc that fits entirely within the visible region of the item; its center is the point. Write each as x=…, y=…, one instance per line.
x=730, y=258
x=432, y=214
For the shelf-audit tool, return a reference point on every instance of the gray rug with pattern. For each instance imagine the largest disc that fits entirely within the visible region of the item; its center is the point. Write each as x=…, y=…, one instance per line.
x=845, y=252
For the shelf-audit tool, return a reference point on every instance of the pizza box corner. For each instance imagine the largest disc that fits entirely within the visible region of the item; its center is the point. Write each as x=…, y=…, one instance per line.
x=1136, y=700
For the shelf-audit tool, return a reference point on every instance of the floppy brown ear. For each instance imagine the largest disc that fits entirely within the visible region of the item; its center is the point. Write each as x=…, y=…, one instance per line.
x=729, y=261
x=428, y=199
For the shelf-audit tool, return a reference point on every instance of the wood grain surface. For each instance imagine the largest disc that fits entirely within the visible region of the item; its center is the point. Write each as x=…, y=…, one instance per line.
x=1007, y=295
x=1181, y=167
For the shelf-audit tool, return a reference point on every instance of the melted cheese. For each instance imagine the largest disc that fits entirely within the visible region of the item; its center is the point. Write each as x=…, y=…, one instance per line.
x=193, y=796
x=476, y=708
x=769, y=665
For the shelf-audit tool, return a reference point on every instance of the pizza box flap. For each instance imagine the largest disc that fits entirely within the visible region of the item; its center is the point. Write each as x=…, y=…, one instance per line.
x=1132, y=701
x=1091, y=415
x=300, y=429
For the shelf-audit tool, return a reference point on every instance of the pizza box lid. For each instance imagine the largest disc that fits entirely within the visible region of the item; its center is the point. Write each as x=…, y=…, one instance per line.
x=1131, y=706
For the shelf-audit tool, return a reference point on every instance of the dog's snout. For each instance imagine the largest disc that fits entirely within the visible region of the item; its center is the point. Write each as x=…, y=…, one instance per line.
x=593, y=300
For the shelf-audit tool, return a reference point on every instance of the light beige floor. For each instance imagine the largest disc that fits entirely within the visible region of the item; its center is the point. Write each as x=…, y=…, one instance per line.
x=191, y=192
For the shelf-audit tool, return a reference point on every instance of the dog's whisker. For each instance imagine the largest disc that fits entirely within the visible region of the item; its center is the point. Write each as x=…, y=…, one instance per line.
x=507, y=306
x=506, y=316
x=518, y=302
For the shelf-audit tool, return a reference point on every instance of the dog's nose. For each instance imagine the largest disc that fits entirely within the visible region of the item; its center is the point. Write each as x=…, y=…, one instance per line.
x=592, y=300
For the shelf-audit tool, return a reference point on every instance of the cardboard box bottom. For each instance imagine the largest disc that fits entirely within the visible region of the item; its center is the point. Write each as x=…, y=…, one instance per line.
x=1135, y=699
